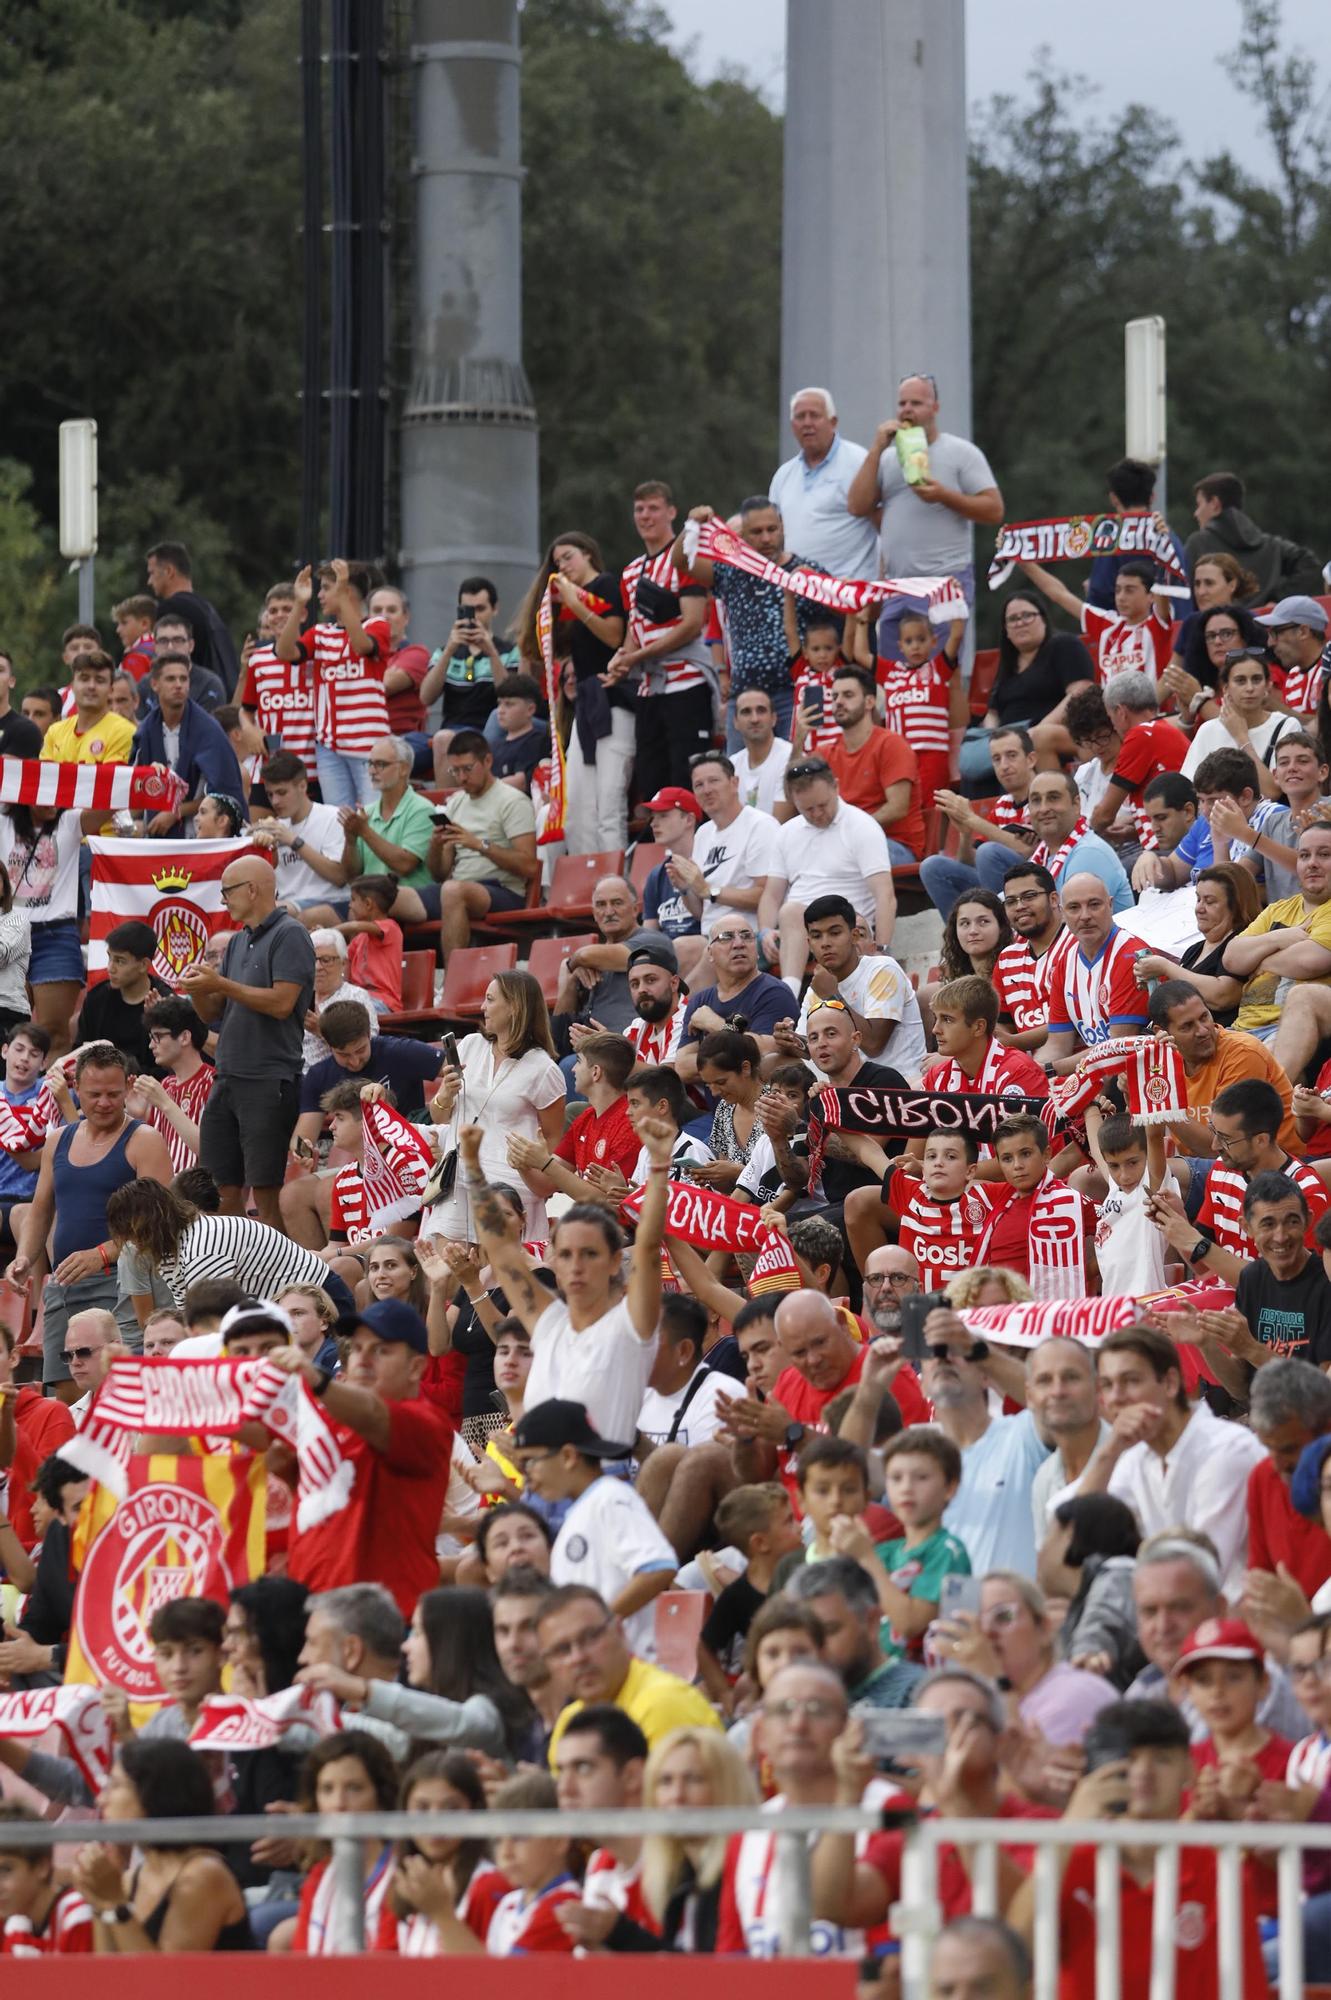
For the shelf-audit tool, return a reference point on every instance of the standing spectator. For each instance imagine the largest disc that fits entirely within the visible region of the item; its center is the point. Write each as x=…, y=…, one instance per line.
x=348, y=656
x=734, y=850
x=40, y=706
x=82, y=1165
x=589, y=627
x=15, y=954
x=1280, y=568
x=829, y=849
x=959, y=490
x=170, y=579
x=26, y=1091
x=134, y=618
x=93, y=734
x=392, y=836
x=521, y=742
x=40, y=851
x=812, y=491
x=757, y=637
x=1148, y=745
x=186, y=1247
x=261, y=998
x=760, y=766
x=1000, y=1455
x=278, y=695
x=176, y=1037
x=484, y=853
x=664, y=650
x=306, y=841
x=113, y=1010
x=1298, y=639
x=404, y=671
x=875, y=768
x=468, y=669
x=1131, y=484
x=19, y=736
x=184, y=737
x=172, y=634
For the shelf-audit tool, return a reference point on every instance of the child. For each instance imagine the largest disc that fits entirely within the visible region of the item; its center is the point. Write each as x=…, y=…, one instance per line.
x=939, y=1224
x=832, y=1477
x=537, y=1866
x=186, y=1637
x=760, y=1522
x=609, y=1538
x=1222, y=1670
x=134, y=619
x=349, y=654
x=374, y=955
x=813, y=670
x=923, y=1472
x=428, y=1870
x=1129, y=1249
x=38, y=1919
x=1309, y=1768
x=920, y=690
x=348, y=1212
x=1038, y=1226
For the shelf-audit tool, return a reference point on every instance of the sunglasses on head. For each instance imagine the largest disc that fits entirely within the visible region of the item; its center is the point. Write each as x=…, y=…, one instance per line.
x=813, y=768
x=831, y=1001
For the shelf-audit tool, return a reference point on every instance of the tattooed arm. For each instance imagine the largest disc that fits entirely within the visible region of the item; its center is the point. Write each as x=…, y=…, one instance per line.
x=511, y=1268
x=644, y=1292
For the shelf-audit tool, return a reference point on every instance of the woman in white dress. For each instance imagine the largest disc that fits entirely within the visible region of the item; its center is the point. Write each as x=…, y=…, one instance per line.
x=508, y=1082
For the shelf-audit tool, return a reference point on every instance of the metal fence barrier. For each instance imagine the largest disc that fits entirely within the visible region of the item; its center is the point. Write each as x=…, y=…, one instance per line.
x=916, y=1920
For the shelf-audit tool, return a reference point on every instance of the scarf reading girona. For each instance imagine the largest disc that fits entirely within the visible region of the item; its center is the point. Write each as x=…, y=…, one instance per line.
x=1072, y=537
x=701, y=1217
x=395, y=1165
x=718, y=543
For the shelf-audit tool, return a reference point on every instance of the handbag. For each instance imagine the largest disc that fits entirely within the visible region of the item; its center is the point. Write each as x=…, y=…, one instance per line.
x=441, y=1179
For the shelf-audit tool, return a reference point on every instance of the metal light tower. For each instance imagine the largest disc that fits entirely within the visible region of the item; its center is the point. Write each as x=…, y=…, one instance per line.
x=875, y=250
x=468, y=439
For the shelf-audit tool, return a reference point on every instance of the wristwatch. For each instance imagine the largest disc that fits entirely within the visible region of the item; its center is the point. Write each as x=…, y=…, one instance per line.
x=794, y=1435
x=298, y=843
x=485, y=846
x=120, y=1913
x=1199, y=1249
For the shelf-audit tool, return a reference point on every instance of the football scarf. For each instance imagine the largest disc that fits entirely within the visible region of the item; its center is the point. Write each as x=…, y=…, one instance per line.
x=1031, y=1321
x=395, y=1165
x=701, y=1217
x=1057, y=1239
x=233, y=1722
x=556, y=788
x=24, y=1126
x=776, y=1270
x=718, y=543
x=1073, y=537
x=1040, y=853
x=1155, y=1081
x=26, y=781
x=76, y=1715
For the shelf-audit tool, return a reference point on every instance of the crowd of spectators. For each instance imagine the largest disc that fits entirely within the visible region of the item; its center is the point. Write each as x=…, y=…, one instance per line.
x=635, y=1517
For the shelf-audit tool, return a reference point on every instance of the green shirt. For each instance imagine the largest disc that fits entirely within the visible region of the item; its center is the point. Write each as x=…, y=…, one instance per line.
x=919, y=1572
x=410, y=826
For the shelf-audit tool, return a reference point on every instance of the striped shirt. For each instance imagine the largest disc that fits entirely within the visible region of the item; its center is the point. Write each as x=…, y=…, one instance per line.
x=942, y=1236
x=916, y=703
x=191, y=1095
x=68, y=1928
x=660, y=570
x=262, y=1261
x=1222, y=1205
x=281, y=694
x=1092, y=996
x=351, y=713
x=826, y=735
x=1310, y=1762
x=1303, y=685
x=657, y=1041
x=1005, y=811
x=1021, y=981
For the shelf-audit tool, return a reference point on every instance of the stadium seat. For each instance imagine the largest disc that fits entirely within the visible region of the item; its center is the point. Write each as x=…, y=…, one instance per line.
x=546, y=958
x=983, y=674
x=647, y=854
x=569, y=902
x=466, y=977
x=417, y=991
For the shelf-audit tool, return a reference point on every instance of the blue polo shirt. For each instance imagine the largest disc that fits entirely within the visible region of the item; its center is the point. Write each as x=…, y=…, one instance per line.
x=991, y=1512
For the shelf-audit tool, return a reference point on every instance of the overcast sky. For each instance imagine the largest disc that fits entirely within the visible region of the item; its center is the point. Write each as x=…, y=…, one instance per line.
x=1165, y=56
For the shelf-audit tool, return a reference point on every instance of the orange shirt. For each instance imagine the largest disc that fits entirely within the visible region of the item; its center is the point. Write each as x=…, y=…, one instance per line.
x=863, y=777
x=1242, y=1057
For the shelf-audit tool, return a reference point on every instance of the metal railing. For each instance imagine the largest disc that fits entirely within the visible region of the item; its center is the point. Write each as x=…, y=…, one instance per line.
x=916, y=1919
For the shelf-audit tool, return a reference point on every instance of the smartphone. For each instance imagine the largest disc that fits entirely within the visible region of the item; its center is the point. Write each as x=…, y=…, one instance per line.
x=896, y=1737
x=915, y=1310
x=1108, y=1749
x=959, y=1593
x=441, y=816
x=812, y=700
x=449, y=1045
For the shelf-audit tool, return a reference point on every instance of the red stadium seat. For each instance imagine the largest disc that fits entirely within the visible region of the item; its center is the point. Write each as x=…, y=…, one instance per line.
x=983, y=675
x=546, y=958
x=569, y=902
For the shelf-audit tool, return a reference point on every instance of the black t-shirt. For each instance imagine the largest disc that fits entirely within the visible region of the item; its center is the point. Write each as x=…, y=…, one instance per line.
x=729, y=1620
x=841, y=1176
x=1293, y=1316
x=107, y=1016
x=522, y=754
x=1210, y=961
x=1029, y=696
x=405, y=1066
x=214, y=647
x=18, y=736
x=589, y=654
x=471, y=1340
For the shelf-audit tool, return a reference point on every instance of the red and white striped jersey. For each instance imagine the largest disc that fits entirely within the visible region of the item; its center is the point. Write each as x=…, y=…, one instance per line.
x=942, y=1236
x=1005, y=811
x=750, y=1920
x=1303, y=685
x=24, y=1126
x=614, y=1885
x=351, y=712
x=348, y=1215
x=1222, y=1205
x=660, y=570
x=417, y=1936
x=281, y=694
x=826, y=735
x=1003, y=1073
x=1310, y=1762
x=657, y=1041
x=916, y=702
x=1021, y=981
x=1091, y=997
x=191, y=1096
x=1120, y=648
x=523, y=1923
x=68, y=1928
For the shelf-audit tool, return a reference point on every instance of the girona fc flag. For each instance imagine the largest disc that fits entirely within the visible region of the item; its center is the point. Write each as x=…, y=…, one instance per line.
x=188, y=1527
x=176, y=886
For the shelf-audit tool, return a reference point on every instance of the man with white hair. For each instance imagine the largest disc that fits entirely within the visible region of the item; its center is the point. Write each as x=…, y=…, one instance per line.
x=1148, y=745
x=330, y=984
x=392, y=837
x=86, y=1335
x=811, y=491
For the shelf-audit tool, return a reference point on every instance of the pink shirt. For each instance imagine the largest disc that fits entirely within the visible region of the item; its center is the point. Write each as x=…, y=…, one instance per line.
x=376, y=963
x=1065, y=1703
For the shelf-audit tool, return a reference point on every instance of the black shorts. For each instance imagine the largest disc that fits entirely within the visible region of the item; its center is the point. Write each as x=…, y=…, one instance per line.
x=501, y=897
x=246, y=1130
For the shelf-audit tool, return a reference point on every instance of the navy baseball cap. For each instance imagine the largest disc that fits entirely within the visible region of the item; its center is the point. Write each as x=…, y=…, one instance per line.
x=550, y=1425
x=390, y=1319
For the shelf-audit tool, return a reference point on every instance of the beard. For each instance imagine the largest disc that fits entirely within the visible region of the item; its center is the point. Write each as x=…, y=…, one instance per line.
x=649, y=1008
x=886, y=1318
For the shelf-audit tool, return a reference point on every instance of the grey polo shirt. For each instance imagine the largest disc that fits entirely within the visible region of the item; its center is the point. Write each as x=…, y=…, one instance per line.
x=254, y=1046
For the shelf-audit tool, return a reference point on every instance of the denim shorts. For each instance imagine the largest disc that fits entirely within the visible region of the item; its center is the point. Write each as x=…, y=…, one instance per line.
x=56, y=953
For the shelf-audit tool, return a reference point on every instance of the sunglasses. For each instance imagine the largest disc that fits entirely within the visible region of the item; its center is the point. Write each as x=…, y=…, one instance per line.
x=78, y=1354
x=813, y=767
x=839, y=1005
x=918, y=375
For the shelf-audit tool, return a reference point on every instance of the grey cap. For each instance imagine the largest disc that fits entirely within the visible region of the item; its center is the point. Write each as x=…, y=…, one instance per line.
x=1297, y=611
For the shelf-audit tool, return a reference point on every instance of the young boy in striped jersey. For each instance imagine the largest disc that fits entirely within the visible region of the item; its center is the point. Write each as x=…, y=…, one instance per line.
x=37, y=1919
x=917, y=690
x=938, y=1224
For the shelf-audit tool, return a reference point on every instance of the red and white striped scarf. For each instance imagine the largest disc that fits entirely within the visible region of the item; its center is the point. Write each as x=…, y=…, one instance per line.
x=701, y=1217
x=1028, y=1323
x=1057, y=1239
x=24, y=1126
x=776, y=1270
x=395, y=1165
x=75, y=1714
x=1157, y=1085
x=216, y=1398
x=26, y=781
x=232, y=1722
x=556, y=784
x=1040, y=853
x=718, y=543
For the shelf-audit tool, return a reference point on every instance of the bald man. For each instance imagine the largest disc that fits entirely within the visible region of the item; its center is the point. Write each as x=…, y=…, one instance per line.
x=87, y=1335
x=261, y=997
x=891, y=1274
x=1093, y=994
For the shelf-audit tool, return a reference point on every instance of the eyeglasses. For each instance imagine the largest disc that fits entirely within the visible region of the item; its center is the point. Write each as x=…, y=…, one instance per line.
x=581, y=1642
x=1308, y=1670
x=710, y=757
x=1001, y=1617
x=732, y=937
x=1023, y=618
x=1018, y=899
x=234, y=889
x=381, y=764
x=79, y=1354
x=1243, y=653
x=166, y=1034
x=814, y=1707
x=813, y=767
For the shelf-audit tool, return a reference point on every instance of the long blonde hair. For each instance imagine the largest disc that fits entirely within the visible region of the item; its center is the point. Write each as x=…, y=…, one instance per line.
x=966, y=1286
x=664, y=1854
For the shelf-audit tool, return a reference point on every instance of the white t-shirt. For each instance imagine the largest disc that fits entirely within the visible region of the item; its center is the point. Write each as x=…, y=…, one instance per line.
x=609, y=1536
x=501, y=1097
x=45, y=882
x=605, y=1367
x=1128, y=1247
x=763, y=786
x=735, y=858
x=880, y=991
x=835, y=860
x=689, y=1151
x=700, y=1421
x=314, y=1048
x=1213, y=735
x=296, y=880
x=819, y=526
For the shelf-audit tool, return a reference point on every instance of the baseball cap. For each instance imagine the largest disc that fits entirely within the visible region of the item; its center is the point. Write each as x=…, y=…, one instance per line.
x=389, y=1319
x=249, y=1316
x=1221, y=1639
x=655, y=951
x=673, y=798
x=1297, y=611
x=555, y=1422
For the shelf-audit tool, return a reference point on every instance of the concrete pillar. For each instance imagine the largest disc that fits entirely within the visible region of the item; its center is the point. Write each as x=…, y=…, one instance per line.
x=875, y=277
x=468, y=442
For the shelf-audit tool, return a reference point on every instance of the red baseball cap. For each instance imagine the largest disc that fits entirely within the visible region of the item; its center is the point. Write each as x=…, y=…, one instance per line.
x=673, y=798
x=1222, y=1639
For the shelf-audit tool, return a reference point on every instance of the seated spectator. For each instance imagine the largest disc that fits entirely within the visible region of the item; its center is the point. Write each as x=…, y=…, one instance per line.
x=176, y=1040
x=1297, y=626
x=1226, y=901
x=1000, y=827
x=1088, y=1560
x=483, y=850
x=674, y=816
x=1093, y=996
x=875, y=768
x=1038, y=670
x=347, y=1772
x=1000, y=1455
x=880, y=997
x=524, y=741
x=452, y=1876
x=374, y=941
x=1065, y=844
x=392, y=837
x=331, y=988
x=607, y=1004
x=845, y=1602
x=1149, y=744
x=734, y=850
x=124, y=700
x=739, y=990
x=1249, y=718
x=307, y=840
x=1011, y=1642
x=659, y=1001
x=1290, y=1410
x=1284, y=1295
x=829, y=849
x=1245, y=1123
x=1289, y=947
x=589, y=1657
x=39, y=1916
x=1301, y=776
x=1170, y=808
x=1223, y=1669
x=41, y=707
x=1228, y=791
x=1213, y=1058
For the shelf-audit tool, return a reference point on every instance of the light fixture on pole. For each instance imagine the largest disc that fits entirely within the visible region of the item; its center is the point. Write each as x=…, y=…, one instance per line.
x=78, y=505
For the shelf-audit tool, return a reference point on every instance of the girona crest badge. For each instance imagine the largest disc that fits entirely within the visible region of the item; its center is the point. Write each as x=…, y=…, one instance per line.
x=182, y=930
